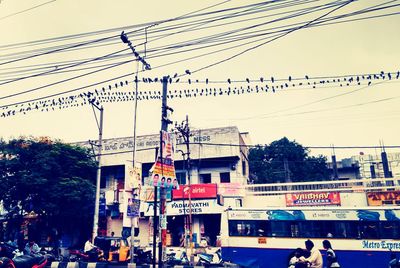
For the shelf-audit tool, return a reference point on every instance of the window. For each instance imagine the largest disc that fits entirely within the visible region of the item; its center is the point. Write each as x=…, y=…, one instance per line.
x=181, y=177
x=205, y=178
x=316, y=229
x=113, y=176
x=390, y=229
x=247, y=228
x=244, y=170
x=369, y=229
x=225, y=177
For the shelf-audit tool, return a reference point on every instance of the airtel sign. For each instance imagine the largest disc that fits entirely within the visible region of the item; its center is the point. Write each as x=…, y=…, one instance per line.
x=197, y=191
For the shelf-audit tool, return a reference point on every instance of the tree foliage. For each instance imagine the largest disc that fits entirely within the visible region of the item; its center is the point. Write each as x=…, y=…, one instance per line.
x=52, y=179
x=285, y=160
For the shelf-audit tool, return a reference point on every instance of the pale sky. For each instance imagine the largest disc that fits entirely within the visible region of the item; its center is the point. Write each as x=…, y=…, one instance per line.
x=321, y=116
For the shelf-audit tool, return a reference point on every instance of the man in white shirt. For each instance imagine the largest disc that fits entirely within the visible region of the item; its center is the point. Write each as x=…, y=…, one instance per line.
x=88, y=246
x=315, y=258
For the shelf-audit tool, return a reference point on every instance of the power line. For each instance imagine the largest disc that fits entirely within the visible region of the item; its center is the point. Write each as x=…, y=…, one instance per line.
x=253, y=36
x=25, y=10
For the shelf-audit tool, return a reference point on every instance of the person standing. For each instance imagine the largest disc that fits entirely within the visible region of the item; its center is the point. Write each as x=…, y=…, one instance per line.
x=330, y=255
x=315, y=259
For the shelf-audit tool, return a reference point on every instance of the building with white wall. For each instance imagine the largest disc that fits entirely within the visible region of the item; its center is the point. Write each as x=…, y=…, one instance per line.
x=219, y=158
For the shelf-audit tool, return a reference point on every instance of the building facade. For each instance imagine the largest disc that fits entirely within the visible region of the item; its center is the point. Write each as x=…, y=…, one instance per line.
x=218, y=170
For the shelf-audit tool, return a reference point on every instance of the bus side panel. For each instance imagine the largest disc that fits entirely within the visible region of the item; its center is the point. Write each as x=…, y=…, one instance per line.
x=254, y=257
x=275, y=258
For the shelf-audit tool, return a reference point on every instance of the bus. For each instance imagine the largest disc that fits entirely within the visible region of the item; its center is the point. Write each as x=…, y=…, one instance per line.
x=361, y=237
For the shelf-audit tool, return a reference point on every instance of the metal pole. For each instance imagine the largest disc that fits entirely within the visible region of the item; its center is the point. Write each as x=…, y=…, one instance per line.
x=189, y=184
x=162, y=215
x=155, y=227
x=133, y=220
x=97, y=201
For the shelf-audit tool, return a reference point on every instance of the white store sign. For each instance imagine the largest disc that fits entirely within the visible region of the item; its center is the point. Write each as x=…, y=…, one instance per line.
x=181, y=207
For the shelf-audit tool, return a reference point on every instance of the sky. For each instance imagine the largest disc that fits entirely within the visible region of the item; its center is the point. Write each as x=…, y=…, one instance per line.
x=329, y=114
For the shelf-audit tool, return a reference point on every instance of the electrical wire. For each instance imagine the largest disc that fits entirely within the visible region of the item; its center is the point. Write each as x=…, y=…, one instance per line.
x=26, y=10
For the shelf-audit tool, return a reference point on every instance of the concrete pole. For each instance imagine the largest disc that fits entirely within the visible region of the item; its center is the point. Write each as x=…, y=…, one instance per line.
x=97, y=201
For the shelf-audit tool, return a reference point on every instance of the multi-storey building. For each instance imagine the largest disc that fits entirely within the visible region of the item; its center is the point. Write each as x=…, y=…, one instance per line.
x=218, y=169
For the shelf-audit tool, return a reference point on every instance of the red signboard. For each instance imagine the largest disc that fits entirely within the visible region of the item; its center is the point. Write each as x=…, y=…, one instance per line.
x=313, y=199
x=197, y=191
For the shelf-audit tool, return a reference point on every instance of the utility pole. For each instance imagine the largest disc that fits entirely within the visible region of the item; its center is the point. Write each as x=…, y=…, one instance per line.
x=184, y=129
x=162, y=215
x=146, y=65
x=98, y=177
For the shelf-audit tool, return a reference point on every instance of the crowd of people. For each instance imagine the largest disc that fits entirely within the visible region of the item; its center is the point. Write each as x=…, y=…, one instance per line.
x=312, y=258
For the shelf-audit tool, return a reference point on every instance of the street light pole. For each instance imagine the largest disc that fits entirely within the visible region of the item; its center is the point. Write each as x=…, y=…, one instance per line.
x=125, y=39
x=98, y=177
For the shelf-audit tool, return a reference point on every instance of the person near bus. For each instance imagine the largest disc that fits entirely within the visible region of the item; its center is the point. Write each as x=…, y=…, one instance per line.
x=31, y=248
x=331, y=257
x=294, y=261
x=315, y=259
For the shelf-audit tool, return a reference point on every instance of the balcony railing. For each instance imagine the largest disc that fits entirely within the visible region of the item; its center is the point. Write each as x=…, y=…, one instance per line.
x=359, y=185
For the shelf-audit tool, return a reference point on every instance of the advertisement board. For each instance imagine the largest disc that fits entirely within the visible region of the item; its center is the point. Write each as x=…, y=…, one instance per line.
x=163, y=170
x=133, y=207
x=323, y=215
x=232, y=189
x=383, y=198
x=313, y=199
x=197, y=191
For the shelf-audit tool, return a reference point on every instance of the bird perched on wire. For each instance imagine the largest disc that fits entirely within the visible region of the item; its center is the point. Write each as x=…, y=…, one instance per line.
x=124, y=38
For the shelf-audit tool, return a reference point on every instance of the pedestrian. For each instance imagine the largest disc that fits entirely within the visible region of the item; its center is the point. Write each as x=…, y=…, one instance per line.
x=31, y=248
x=315, y=259
x=89, y=247
x=331, y=257
x=294, y=261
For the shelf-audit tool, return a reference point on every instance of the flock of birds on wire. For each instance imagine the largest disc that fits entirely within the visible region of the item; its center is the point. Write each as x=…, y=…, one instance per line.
x=198, y=88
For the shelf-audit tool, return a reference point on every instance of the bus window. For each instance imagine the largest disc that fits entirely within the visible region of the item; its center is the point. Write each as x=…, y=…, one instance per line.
x=346, y=229
x=389, y=229
x=369, y=229
x=247, y=228
x=279, y=229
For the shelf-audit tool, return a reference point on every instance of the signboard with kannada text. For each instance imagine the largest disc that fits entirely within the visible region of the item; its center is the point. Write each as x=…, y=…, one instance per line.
x=313, y=199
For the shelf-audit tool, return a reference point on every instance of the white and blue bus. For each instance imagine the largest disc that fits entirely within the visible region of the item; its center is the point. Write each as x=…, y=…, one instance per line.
x=361, y=237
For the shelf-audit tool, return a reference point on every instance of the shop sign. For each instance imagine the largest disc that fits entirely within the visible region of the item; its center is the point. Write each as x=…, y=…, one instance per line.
x=182, y=207
x=313, y=199
x=196, y=207
x=197, y=191
x=383, y=198
x=230, y=189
